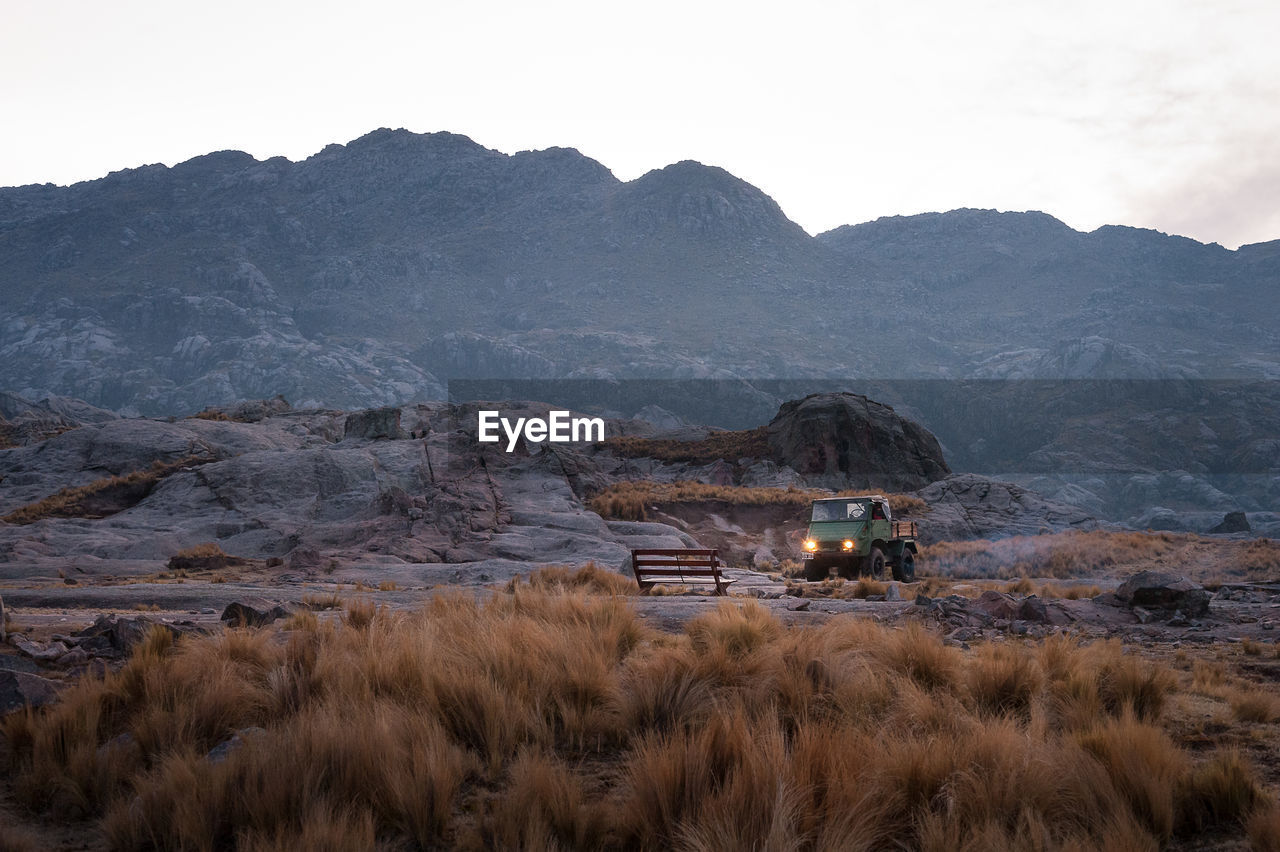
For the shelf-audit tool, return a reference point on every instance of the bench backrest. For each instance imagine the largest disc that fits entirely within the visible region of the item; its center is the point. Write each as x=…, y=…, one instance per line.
x=657, y=565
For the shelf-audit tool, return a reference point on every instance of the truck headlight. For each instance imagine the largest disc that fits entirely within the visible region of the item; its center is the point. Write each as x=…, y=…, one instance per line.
x=848, y=544
x=810, y=545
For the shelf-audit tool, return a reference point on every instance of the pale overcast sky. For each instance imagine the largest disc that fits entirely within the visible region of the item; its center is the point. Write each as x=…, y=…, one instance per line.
x=1159, y=113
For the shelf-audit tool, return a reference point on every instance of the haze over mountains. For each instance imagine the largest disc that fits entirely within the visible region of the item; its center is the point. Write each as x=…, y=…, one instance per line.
x=374, y=272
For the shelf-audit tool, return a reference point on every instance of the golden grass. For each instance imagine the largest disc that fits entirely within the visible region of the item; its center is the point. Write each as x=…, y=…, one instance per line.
x=590, y=578
x=1253, y=705
x=332, y=600
x=627, y=501
x=100, y=497
x=729, y=446
x=1264, y=829
x=548, y=719
x=207, y=556
x=1095, y=553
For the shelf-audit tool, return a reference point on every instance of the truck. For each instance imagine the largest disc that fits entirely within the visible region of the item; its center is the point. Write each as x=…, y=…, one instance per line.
x=858, y=535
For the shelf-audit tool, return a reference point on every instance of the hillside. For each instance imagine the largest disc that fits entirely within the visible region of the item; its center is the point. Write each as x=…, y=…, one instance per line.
x=374, y=272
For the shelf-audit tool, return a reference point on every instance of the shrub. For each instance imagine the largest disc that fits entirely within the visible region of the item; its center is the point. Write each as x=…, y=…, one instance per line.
x=1254, y=705
x=548, y=718
x=203, y=557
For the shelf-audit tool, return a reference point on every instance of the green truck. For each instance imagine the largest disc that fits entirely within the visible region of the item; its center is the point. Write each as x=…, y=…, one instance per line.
x=858, y=535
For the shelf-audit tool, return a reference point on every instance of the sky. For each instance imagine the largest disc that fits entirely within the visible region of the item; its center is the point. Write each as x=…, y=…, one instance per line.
x=1159, y=115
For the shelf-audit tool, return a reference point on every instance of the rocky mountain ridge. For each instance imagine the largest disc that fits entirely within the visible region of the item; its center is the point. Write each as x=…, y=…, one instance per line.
x=372, y=273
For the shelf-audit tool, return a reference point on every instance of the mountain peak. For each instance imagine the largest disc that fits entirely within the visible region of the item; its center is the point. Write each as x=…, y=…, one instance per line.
x=708, y=200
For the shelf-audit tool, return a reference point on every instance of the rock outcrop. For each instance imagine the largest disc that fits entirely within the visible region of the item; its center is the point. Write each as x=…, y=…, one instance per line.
x=1232, y=522
x=965, y=506
x=1165, y=593
x=20, y=689
x=843, y=440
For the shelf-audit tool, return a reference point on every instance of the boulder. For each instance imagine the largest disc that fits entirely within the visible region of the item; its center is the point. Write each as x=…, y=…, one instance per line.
x=257, y=613
x=1167, y=593
x=996, y=605
x=20, y=689
x=16, y=663
x=1034, y=609
x=115, y=636
x=1233, y=522
x=38, y=652
x=844, y=440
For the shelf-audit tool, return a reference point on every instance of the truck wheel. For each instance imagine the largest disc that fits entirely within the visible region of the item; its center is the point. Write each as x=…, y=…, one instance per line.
x=816, y=570
x=905, y=570
x=873, y=564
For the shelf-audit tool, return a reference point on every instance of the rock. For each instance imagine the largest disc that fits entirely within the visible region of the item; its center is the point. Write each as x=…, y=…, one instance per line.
x=304, y=559
x=1034, y=609
x=256, y=614
x=253, y=410
x=1143, y=616
x=36, y=651
x=1233, y=522
x=224, y=749
x=15, y=663
x=111, y=635
x=969, y=506
x=20, y=689
x=893, y=593
x=843, y=440
x=374, y=423
x=802, y=606
x=996, y=605
x=1268, y=625
x=74, y=657
x=1156, y=590
x=1179, y=619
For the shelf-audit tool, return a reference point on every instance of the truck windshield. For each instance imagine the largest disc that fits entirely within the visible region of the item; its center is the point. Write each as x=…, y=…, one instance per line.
x=839, y=510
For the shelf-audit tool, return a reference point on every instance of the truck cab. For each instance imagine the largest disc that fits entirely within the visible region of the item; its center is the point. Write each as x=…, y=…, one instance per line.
x=858, y=535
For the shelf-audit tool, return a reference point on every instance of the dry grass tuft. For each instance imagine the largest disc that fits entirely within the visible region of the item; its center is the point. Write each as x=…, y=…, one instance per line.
x=1222, y=791
x=1093, y=553
x=590, y=578
x=360, y=613
x=726, y=446
x=320, y=602
x=202, y=557
x=551, y=719
x=1254, y=705
x=627, y=501
x=102, y=497
x=1264, y=829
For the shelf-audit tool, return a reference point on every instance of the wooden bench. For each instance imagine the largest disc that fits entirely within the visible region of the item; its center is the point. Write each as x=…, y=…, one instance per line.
x=678, y=565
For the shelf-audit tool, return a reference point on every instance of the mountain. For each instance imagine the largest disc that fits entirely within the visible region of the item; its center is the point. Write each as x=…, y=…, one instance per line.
x=374, y=272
